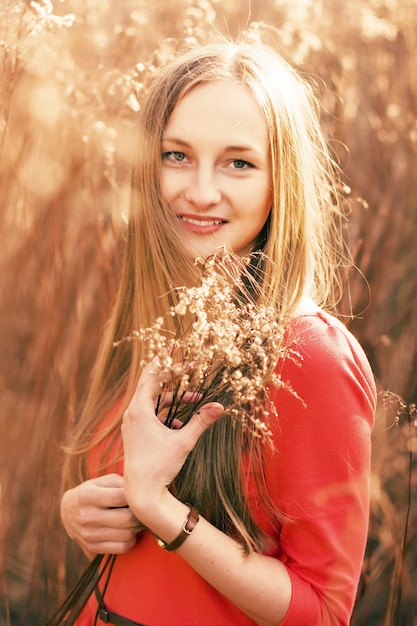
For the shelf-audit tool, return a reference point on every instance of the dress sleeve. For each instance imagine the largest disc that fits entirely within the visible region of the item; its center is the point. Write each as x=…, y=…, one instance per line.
x=319, y=473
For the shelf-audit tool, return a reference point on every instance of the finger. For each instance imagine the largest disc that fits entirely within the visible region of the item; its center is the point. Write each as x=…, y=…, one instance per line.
x=102, y=497
x=98, y=534
x=202, y=420
x=167, y=398
x=108, y=542
x=108, y=480
x=152, y=378
x=118, y=518
x=91, y=522
x=176, y=424
x=108, y=547
x=169, y=401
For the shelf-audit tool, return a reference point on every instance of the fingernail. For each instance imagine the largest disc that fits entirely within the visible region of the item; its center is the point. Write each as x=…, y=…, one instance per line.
x=215, y=408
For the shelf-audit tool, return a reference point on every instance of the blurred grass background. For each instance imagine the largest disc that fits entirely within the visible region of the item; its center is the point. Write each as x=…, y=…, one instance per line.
x=72, y=74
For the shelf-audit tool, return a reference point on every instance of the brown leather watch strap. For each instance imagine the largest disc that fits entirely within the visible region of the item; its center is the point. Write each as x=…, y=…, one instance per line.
x=188, y=527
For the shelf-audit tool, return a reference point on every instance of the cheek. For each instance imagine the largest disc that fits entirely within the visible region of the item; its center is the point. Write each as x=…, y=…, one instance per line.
x=262, y=206
x=169, y=185
x=165, y=192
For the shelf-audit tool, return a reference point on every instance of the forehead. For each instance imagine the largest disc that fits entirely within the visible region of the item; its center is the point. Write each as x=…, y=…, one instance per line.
x=221, y=106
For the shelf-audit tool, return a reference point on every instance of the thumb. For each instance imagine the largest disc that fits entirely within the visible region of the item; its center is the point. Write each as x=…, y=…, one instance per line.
x=205, y=417
x=108, y=480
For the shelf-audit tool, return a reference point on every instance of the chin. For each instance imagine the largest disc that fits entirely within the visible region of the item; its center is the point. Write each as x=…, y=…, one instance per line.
x=204, y=252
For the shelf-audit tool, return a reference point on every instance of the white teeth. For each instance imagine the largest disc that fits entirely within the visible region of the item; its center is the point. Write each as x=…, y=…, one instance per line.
x=201, y=222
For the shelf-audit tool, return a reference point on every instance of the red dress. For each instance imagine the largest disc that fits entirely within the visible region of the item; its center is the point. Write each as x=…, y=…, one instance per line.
x=318, y=476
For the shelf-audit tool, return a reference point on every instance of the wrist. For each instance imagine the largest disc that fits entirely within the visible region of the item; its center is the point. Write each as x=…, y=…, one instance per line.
x=165, y=517
x=187, y=528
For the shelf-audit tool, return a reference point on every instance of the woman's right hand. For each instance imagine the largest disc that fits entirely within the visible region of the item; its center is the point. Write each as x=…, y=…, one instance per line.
x=96, y=515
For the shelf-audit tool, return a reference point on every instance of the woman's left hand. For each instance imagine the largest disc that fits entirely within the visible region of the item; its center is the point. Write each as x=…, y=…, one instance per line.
x=153, y=453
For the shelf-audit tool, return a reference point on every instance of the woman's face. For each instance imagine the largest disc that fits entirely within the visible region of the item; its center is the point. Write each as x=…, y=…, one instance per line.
x=216, y=168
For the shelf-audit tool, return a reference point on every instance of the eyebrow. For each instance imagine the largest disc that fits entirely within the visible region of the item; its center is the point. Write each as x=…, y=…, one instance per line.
x=186, y=144
x=180, y=142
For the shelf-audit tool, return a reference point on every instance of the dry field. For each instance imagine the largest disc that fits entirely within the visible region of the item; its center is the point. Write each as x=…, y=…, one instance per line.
x=72, y=75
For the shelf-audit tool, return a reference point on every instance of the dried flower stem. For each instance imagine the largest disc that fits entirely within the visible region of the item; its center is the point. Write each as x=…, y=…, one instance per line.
x=227, y=344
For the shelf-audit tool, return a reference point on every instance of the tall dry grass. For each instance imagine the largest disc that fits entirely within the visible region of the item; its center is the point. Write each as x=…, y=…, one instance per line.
x=72, y=74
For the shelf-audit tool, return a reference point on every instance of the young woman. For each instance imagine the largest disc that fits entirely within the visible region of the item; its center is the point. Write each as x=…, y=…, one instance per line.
x=230, y=154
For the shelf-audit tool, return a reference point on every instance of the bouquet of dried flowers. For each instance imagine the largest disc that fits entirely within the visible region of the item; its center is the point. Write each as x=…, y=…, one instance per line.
x=227, y=344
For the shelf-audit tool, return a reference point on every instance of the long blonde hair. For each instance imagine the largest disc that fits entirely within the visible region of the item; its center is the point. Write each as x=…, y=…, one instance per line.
x=300, y=245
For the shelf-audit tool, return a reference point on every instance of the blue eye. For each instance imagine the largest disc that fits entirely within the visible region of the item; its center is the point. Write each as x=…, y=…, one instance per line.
x=173, y=155
x=240, y=164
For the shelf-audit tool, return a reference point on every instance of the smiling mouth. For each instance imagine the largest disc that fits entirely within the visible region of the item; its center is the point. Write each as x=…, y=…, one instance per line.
x=203, y=222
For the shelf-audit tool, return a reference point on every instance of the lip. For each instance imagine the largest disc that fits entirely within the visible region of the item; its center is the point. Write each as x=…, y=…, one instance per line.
x=200, y=224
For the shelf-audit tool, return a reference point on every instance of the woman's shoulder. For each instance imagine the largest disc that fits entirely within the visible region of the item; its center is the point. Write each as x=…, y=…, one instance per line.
x=318, y=332
x=326, y=351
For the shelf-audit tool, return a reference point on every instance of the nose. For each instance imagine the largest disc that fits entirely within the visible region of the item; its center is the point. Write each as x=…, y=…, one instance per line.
x=202, y=189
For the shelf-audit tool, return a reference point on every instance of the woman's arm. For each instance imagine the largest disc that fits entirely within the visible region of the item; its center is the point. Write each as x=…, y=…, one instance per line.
x=259, y=585
x=320, y=473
